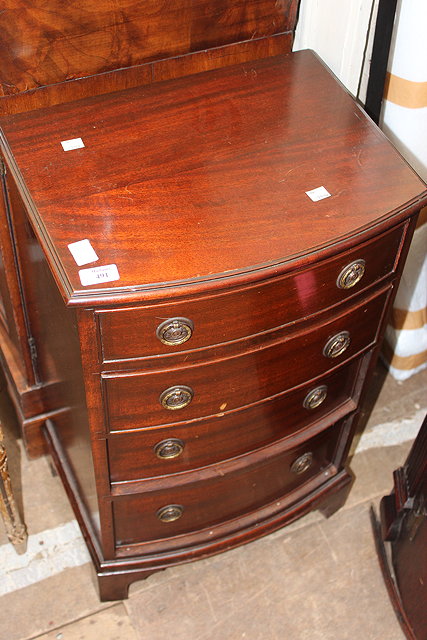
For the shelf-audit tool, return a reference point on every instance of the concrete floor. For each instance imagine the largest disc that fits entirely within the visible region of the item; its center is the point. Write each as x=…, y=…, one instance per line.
x=316, y=579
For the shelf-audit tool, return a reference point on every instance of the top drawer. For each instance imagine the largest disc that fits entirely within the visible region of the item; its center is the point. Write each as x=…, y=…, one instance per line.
x=173, y=327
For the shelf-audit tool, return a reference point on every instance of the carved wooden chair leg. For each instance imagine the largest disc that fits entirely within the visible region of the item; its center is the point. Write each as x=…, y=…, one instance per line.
x=15, y=529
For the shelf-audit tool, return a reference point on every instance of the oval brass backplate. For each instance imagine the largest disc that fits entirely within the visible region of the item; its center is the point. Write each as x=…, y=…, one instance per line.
x=175, y=331
x=351, y=274
x=315, y=397
x=303, y=463
x=176, y=397
x=170, y=513
x=337, y=344
x=169, y=449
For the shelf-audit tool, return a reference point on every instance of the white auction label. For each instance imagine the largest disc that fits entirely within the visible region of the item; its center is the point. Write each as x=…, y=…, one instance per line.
x=83, y=252
x=74, y=143
x=98, y=275
x=318, y=194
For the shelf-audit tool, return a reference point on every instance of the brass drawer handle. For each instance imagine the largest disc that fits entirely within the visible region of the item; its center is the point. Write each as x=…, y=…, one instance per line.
x=168, y=449
x=337, y=345
x=170, y=513
x=175, y=331
x=351, y=274
x=176, y=397
x=303, y=463
x=315, y=397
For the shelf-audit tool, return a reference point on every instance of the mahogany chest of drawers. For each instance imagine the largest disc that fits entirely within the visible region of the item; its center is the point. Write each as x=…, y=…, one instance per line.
x=202, y=354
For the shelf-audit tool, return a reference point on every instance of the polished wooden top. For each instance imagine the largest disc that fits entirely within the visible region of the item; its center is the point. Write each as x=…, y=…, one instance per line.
x=205, y=177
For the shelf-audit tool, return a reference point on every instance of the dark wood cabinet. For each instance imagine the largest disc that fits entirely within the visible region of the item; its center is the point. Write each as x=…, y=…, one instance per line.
x=198, y=369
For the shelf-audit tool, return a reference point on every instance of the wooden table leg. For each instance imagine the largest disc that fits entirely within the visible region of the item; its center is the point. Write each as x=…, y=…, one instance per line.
x=15, y=529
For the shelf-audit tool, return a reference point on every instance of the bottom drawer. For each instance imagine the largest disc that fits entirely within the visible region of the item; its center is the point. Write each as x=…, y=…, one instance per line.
x=221, y=492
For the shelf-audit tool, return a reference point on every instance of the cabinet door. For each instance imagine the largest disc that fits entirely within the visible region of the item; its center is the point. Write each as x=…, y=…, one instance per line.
x=4, y=312
x=14, y=336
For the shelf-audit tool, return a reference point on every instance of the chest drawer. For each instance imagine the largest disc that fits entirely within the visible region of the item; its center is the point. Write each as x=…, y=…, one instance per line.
x=224, y=492
x=194, y=324
x=136, y=400
x=175, y=448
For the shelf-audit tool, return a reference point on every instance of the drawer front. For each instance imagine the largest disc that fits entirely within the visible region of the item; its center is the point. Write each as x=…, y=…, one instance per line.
x=172, y=449
x=228, y=493
x=137, y=400
x=138, y=332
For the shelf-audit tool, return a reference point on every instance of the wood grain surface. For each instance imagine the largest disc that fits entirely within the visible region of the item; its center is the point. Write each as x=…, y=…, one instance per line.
x=243, y=312
x=146, y=73
x=132, y=398
x=186, y=180
x=132, y=455
x=194, y=188
x=214, y=498
x=48, y=42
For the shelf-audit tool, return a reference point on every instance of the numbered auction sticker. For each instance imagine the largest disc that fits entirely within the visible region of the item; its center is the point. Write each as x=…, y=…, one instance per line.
x=98, y=275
